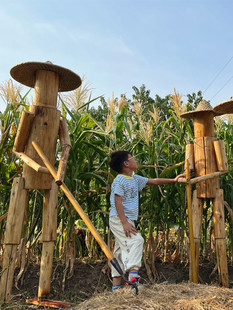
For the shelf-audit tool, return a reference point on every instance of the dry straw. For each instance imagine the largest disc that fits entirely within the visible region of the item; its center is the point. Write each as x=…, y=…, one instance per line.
x=184, y=296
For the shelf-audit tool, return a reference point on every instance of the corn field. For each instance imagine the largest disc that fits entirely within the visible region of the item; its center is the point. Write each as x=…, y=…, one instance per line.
x=153, y=131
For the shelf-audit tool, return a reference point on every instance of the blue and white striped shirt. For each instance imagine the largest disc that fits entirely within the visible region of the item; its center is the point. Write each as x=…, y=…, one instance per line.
x=128, y=188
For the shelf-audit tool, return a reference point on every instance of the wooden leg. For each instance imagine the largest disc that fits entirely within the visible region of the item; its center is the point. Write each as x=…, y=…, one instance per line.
x=46, y=269
x=18, y=202
x=219, y=234
x=197, y=211
x=49, y=234
x=8, y=269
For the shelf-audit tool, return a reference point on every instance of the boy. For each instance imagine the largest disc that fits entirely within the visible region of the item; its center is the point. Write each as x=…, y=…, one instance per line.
x=124, y=211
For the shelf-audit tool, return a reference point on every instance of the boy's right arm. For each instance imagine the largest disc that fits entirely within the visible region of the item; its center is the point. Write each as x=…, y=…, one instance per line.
x=128, y=228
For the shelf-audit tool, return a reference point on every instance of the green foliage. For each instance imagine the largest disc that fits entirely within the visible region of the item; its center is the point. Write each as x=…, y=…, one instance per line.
x=151, y=130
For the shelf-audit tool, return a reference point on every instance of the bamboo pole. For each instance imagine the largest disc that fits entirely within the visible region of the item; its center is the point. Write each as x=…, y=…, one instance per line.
x=207, y=177
x=191, y=239
x=202, y=178
x=75, y=204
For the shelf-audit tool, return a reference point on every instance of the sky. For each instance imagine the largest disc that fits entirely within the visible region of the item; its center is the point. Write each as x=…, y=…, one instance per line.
x=118, y=44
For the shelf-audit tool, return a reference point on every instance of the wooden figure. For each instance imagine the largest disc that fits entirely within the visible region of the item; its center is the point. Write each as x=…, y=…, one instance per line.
x=208, y=159
x=41, y=124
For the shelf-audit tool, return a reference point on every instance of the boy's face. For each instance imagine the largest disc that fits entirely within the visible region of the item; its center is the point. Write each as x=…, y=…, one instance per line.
x=130, y=163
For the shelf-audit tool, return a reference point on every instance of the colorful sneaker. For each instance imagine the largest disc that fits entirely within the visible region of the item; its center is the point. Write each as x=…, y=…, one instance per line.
x=135, y=280
x=115, y=287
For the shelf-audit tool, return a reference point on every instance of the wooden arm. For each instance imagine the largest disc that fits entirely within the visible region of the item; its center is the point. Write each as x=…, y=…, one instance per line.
x=65, y=147
x=23, y=131
x=202, y=178
x=30, y=162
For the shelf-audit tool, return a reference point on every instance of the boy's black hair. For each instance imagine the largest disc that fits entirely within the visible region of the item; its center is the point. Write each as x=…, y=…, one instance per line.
x=117, y=159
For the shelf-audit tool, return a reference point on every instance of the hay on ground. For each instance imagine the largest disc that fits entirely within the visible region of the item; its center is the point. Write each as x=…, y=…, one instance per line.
x=184, y=296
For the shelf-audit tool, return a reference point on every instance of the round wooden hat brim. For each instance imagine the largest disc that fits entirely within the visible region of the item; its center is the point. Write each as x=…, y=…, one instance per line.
x=25, y=73
x=192, y=114
x=225, y=107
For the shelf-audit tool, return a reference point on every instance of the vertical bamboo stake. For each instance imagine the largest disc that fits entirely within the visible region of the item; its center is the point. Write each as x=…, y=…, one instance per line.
x=191, y=239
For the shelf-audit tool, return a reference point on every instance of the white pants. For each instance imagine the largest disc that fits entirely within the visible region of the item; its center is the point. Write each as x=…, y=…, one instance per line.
x=127, y=251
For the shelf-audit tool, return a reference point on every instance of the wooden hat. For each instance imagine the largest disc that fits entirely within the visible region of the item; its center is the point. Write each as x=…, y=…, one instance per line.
x=225, y=107
x=25, y=73
x=203, y=106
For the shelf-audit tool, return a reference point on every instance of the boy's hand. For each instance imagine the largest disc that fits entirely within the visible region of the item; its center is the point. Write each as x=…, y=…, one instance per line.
x=181, y=176
x=128, y=229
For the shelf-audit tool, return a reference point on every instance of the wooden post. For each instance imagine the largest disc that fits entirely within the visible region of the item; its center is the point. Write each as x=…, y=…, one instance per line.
x=18, y=201
x=191, y=239
x=15, y=213
x=8, y=268
x=197, y=211
x=49, y=235
x=46, y=269
x=219, y=234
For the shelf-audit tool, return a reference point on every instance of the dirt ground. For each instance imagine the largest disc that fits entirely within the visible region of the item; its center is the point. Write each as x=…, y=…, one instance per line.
x=91, y=277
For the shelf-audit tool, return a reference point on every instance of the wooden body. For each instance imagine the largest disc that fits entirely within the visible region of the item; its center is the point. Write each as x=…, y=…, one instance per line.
x=205, y=163
x=44, y=131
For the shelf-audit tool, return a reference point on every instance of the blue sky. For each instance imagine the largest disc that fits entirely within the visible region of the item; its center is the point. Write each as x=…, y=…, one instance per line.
x=116, y=44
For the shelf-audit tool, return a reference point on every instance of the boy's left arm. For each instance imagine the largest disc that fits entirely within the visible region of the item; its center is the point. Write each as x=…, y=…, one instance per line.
x=166, y=181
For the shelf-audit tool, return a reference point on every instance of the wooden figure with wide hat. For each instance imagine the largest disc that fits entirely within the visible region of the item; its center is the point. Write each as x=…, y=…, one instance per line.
x=207, y=158
x=43, y=125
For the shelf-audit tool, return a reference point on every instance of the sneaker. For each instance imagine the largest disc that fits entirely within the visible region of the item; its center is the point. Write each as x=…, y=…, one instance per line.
x=135, y=280
x=115, y=287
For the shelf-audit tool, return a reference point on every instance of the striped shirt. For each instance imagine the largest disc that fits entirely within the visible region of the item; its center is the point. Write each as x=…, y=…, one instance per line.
x=128, y=188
